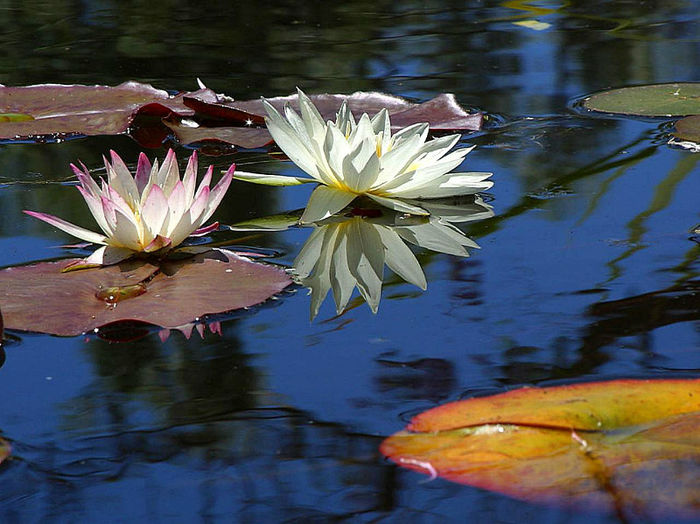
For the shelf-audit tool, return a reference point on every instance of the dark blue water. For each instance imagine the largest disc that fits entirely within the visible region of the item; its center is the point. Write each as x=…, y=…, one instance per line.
x=586, y=271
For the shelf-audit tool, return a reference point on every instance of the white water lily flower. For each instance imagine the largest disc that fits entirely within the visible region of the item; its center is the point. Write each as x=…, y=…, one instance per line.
x=351, y=158
x=154, y=210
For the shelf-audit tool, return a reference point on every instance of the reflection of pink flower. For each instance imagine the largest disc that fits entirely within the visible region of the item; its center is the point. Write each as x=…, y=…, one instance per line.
x=186, y=329
x=154, y=210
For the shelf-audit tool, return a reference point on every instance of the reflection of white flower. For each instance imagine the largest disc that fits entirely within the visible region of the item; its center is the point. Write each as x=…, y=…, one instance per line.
x=151, y=211
x=343, y=252
x=350, y=159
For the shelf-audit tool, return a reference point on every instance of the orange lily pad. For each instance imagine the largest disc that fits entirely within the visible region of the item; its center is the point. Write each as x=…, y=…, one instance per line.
x=45, y=299
x=5, y=450
x=630, y=447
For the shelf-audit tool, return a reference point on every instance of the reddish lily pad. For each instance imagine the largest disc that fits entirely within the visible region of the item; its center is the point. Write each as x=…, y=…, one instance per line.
x=56, y=111
x=246, y=137
x=230, y=122
x=443, y=113
x=64, y=110
x=42, y=298
x=626, y=446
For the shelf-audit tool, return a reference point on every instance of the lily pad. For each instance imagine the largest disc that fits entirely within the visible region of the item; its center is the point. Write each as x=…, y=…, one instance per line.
x=688, y=128
x=5, y=450
x=443, y=113
x=246, y=137
x=52, y=110
x=58, y=111
x=231, y=122
x=654, y=100
x=626, y=446
x=42, y=298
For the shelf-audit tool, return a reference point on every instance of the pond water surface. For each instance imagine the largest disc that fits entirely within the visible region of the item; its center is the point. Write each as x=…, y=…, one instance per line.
x=586, y=271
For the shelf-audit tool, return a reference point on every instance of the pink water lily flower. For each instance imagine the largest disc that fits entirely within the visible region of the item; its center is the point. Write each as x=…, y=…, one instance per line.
x=154, y=210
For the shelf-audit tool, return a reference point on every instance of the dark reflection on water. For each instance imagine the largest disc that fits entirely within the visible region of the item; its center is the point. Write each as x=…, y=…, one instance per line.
x=584, y=273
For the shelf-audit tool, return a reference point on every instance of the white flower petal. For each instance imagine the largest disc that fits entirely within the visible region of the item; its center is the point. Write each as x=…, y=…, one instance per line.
x=366, y=261
x=381, y=126
x=335, y=149
x=447, y=185
x=108, y=255
x=439, y=237
x=273, y=180
x=287, y=139
x=176, y=206
x=341, y=279
x=312, y=118
x=169, y=173
x=127, y=232
x=367, y=164
x=324, y=202
x=397, y=160
x=320, y=282
x=310, y=252
x=153, y=213
x=122, y=181
x=400, y=258
x=398, y=205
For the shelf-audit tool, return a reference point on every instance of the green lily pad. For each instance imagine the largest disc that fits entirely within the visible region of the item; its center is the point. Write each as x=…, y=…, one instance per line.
x=679, y=99
x=688, y=128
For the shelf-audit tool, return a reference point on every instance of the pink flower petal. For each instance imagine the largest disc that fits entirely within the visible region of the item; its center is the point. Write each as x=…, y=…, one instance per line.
x=204, y=230
x=217, y=194
x=206, y=181
x=159, y=242
x=71, y=229
x=143, y=172
x=95, y=205
x=168, y=174
x=190, y=178
x=154, y=210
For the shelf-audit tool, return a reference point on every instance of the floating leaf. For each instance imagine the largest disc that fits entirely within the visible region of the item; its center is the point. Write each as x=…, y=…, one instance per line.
x=230, y=122
x=688, y=128
x=667, y=100
x=43, y=298
x=55, y=111
x=246, y=137
x=63, y=110
x=628, y=446
x=443, y=113
x=5, y=450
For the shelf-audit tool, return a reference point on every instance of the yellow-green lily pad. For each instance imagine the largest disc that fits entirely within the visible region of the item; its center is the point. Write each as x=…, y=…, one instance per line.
x=688, y=128
x=654, y=100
